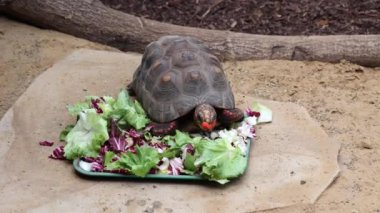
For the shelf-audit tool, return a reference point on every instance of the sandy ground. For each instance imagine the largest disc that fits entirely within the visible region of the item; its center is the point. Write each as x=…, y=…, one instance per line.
x=344, y=98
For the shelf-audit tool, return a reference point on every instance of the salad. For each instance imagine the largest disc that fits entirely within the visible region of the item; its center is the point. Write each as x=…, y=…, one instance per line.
x=112, y=135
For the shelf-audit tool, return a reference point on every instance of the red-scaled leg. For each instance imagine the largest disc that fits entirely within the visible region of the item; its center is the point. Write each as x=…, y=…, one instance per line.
x=229, y=116
x=160, y=129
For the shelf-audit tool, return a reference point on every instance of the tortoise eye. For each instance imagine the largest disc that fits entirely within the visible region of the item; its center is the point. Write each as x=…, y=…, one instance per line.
x=213, y=118
x=200, y=115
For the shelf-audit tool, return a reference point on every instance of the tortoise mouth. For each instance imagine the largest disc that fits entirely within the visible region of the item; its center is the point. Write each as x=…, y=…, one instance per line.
x=208, y=126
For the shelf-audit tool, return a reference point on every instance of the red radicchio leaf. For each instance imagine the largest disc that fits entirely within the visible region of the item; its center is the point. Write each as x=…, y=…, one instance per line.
x=175, y=166
x=97, y=167
x=253, y=131
x=139, y=141
x=117, y=144
x=132, y=149
x=153, y=171
x=58, y=153
x=190, y=149
x=249, y=112
x=46, y=143
x=117, y=140
x=133, y=134
x=137, y=137
x=95, y=105
x=158, y=145
x=96, y=163
x=105, y=148
x=92, y=159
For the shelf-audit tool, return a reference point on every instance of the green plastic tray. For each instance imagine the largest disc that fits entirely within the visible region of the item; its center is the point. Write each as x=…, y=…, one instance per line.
x=109, y=175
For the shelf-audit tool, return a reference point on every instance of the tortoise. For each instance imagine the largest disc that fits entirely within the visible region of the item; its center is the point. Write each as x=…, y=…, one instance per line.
x=179, y=78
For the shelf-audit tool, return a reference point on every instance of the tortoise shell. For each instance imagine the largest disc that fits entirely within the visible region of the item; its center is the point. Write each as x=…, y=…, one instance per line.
x=175, y=75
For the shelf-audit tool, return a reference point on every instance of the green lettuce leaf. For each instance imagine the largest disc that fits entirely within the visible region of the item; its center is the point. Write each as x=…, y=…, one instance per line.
x=129, y=112
x=265, y=112
x=141, y=162
x=139, y=108
x=107, y=106
x=75, y=109
x=108, y=163
x=189, y=164
x=180, y=139
x=108, y=156
x=86, y=137
x=220, y=161
x=63, y=134
x=171, y=152
x=126, y=111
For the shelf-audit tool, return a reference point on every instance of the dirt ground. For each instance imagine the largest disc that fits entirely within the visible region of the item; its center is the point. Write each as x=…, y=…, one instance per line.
x=291, y=17
x=344, y=98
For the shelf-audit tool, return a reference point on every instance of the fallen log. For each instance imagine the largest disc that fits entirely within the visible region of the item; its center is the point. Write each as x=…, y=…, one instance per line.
x=92, y=20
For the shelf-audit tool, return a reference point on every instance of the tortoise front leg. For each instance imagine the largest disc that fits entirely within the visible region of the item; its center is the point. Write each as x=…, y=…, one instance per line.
x=160, y=129
x=229, y=116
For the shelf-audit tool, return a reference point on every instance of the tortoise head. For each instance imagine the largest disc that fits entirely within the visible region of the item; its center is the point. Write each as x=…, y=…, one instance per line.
x=205, y=117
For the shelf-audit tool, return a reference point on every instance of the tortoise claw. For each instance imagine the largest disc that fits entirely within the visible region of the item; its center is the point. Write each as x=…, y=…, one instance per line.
x=130, y=90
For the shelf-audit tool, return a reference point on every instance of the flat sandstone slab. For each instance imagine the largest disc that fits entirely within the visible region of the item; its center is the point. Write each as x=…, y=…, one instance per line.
x=292, y=161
